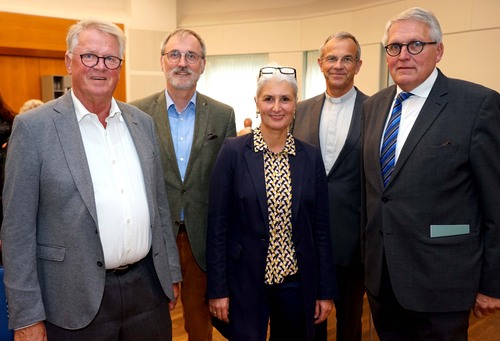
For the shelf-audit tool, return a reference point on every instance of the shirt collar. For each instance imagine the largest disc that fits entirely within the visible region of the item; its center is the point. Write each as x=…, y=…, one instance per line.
x=342, y=99
x=425, y=88
x=261, y=146
x=170, y=102
x=81, y=111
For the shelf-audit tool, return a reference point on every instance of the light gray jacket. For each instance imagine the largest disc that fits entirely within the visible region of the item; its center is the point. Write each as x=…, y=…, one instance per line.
x=53, y=257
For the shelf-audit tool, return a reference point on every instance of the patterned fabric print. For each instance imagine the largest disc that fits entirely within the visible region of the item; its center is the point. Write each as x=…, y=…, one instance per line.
x=281, y=258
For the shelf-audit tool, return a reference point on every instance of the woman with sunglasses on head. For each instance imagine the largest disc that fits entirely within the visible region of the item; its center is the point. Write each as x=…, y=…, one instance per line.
x=269, y=253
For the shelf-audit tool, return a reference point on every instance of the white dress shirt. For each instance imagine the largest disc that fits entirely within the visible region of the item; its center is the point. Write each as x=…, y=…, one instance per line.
x=335, y=121
x=410, y=109
x=118, y=183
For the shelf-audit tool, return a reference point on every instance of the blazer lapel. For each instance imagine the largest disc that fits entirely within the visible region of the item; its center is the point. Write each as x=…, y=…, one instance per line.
x=141, y=141
x=354, y=133
x=377, y=128
x=297, y=166
x=434, y=104
x=315, y=118
x=255, y=162
x=200, y=130
x=160, y=116
x=66, y=125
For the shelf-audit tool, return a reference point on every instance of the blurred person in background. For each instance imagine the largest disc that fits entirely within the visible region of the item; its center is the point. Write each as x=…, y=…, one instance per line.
x=247, y=127
x=30, y=104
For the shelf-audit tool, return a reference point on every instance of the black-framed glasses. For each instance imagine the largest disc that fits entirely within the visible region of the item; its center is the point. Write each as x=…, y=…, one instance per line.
x=413, y=47
x=91, y=60
x=286, y=70
x=175, y=55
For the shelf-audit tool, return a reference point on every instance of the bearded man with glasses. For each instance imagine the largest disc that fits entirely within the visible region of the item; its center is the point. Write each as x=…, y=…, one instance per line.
x=191, y=129
x=89, y=252
x=431, y=161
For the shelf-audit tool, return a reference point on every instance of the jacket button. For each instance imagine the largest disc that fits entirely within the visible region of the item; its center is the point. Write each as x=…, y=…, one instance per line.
x=183, y=191
x=384, y=200
x=99, y=264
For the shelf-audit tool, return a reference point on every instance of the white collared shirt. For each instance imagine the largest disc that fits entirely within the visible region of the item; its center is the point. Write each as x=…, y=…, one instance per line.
x=118, y=183
x=410, y=109
x=334, y=125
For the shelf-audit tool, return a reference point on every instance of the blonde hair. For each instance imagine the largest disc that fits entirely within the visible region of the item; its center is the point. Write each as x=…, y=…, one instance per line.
x=30, y=104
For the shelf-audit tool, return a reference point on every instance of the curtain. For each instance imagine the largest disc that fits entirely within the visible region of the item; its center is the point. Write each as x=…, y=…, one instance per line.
x=232, y=79
x=314, y=81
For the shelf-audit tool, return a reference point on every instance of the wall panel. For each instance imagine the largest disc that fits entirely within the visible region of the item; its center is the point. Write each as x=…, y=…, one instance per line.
x=30, y=47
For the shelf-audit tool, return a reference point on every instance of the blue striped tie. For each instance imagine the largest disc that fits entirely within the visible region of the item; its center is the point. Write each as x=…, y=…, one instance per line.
x=388, y=151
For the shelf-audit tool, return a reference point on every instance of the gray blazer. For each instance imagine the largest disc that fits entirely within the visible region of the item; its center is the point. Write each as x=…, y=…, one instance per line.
x=446, y=176
x=53, y=257
x=213, y=124
x=344, y=185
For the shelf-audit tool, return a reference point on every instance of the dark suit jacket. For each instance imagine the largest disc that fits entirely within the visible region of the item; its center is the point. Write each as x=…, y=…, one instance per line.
x=54, y=263
x=213, y=124
x=238, y=230
x=447, y=174
x=344, y=185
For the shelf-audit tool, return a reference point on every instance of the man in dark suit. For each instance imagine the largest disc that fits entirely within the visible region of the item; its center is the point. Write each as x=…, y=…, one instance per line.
x=333, y=121
x=432, y=226
x=191, y=128
x=89, y=252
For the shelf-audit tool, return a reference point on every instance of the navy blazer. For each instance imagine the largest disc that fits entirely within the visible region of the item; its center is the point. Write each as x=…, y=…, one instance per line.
x=238, y=229
x=447, y=174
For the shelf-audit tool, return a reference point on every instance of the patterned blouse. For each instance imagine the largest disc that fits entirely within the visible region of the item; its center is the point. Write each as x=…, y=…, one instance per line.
x=281, y=258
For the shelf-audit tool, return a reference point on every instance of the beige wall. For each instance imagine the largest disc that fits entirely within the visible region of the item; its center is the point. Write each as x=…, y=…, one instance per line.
x=471, y=31
x=471, y=36
x=146, y=22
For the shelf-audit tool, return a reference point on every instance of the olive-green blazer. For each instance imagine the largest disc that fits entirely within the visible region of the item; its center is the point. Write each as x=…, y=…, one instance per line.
x=213, y=124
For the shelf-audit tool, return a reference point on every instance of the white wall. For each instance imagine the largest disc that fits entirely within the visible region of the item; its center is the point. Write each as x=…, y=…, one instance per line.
x=471, y=36
x=146, y=22
x=471, y=31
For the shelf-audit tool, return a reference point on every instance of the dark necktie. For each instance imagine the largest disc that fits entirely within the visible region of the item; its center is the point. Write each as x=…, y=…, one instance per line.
x=388, y=151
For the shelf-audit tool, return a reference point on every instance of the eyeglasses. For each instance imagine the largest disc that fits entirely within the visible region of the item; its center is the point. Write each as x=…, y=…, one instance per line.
x=347, y=60
x=175, y=55
x=413, y=47
x=269, y=70
x=91, y=60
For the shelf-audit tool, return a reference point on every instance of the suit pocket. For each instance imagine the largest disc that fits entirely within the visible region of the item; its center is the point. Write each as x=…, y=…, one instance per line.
x=441, y=151
x=54, y=253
